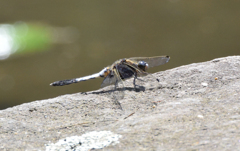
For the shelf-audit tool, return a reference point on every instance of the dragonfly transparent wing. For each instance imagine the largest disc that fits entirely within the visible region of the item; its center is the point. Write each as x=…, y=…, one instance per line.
x=109, y=80
x=152, y=61
x=116, y=89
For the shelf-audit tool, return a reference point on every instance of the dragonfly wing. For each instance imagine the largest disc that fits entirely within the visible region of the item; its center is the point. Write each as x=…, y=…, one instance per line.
x=152, y=61
x=116, y=89
x=109, y=80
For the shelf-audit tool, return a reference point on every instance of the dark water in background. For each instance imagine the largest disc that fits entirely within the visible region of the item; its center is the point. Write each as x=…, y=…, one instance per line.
x=188, y=31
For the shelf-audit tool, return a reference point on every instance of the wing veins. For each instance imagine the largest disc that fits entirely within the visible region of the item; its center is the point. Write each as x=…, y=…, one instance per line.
x=152, y=61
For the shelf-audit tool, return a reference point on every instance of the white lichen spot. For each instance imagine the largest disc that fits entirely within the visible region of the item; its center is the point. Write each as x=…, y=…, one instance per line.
x=88, y=141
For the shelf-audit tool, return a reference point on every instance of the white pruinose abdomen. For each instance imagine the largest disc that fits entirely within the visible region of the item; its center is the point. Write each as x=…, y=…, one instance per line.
x=93, y=76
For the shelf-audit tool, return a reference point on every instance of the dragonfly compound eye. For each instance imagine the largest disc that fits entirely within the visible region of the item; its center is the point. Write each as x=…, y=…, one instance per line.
x=143, y=65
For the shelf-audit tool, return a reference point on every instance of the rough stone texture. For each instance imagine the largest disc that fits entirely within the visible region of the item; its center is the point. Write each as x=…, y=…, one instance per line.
x=193, y=107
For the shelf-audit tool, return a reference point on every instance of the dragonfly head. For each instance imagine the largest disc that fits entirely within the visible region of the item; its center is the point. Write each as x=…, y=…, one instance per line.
x=143, y=65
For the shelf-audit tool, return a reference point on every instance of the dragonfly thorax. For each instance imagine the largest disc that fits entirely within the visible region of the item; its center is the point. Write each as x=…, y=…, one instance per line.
x=143, y=65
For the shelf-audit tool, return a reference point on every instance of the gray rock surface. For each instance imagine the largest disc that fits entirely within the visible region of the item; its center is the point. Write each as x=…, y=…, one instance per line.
x=193, y=107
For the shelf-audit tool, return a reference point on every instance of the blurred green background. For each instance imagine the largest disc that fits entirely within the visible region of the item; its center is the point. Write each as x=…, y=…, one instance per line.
x=56, y=40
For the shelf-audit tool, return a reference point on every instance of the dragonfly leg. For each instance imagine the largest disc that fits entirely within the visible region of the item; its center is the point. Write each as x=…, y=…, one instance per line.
x=116, y=83
x=134, y=80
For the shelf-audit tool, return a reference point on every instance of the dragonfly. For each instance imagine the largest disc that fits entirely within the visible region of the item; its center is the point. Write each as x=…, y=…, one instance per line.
x=121, y=70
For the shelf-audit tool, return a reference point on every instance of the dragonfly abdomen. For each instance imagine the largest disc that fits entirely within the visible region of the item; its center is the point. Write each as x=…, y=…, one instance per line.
x=63, y=82
x=93, y=76
x=76, y=80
